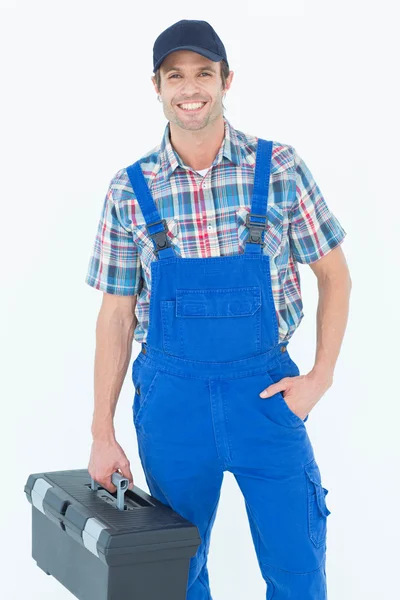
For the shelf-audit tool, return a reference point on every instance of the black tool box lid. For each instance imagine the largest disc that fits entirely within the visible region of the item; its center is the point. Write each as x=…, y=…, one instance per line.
x=67, y=498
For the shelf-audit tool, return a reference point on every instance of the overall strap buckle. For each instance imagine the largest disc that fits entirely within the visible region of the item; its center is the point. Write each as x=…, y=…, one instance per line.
x=159, y=237
x=256, y=229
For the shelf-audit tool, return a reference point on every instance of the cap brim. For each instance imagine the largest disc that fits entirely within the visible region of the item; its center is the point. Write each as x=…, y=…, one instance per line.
x=211, y=55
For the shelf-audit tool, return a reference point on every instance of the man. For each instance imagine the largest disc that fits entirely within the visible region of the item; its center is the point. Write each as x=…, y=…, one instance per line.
x=201, y=238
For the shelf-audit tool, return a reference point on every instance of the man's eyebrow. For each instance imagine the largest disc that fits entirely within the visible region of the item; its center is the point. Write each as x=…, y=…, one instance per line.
x=204, y=68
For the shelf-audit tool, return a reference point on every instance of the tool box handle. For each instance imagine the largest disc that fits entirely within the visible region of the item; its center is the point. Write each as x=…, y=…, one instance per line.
x=120, y=482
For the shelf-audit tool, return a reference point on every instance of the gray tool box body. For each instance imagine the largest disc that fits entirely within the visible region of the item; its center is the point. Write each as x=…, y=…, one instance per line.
x=103, y=546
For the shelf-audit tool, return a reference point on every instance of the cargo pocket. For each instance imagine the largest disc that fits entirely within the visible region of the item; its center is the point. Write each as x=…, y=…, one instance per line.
x=317, y=509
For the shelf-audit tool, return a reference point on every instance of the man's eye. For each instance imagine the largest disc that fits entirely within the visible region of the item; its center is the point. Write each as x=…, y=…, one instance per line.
x=177, y=75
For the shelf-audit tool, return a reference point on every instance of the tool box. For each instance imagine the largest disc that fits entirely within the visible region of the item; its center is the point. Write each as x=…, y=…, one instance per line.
x=104, y=546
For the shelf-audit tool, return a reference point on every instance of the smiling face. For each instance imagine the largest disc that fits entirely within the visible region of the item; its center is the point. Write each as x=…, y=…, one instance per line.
x=191, y=89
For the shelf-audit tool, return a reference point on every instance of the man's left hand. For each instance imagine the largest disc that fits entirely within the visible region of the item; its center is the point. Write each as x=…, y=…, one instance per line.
x=301, y=393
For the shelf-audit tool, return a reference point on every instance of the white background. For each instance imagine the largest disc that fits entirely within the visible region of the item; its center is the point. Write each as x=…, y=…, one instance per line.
x=77, y=105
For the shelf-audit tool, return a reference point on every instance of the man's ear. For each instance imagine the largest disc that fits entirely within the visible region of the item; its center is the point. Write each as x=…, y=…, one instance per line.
x=228, y=81
x=153, y=79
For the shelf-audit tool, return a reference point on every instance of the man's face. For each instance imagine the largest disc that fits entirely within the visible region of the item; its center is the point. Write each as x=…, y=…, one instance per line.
x=190, y=78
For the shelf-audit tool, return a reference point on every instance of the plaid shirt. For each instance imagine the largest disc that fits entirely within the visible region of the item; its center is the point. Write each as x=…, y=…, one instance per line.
x=206, y=216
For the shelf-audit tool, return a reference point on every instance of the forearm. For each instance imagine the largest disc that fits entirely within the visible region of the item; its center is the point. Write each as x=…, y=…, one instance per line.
x=114, y=336
x=332, y=316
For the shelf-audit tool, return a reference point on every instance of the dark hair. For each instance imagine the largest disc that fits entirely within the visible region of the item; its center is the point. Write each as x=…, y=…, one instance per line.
x=224, y=72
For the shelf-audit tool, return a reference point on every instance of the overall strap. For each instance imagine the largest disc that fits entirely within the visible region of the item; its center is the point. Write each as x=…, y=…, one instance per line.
x=156, y=227
x=256, y=220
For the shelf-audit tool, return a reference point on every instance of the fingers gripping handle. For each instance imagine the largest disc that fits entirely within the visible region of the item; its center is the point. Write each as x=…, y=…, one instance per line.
x=120, y=482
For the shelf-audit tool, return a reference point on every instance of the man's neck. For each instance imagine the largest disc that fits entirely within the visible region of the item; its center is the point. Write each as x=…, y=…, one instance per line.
x=198, y=148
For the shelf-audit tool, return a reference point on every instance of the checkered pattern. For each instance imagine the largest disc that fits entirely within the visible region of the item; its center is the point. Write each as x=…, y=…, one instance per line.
x=206, y=216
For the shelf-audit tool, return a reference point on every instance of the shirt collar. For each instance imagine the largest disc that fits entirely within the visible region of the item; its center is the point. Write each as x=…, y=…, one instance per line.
x=231, y=148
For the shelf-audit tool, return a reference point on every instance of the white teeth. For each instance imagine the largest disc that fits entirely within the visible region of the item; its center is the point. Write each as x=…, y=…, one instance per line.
x=192, y=106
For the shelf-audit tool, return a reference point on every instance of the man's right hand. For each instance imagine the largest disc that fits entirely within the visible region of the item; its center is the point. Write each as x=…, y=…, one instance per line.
x=107, y=457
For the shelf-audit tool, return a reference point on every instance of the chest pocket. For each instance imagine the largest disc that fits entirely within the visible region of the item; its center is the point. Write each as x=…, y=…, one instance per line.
x=273, y=235
x=200, y=323
x=233, y=302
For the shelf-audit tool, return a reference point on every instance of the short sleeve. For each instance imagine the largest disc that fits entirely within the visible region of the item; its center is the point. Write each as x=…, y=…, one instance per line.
x=313, y=229
x=114, y=265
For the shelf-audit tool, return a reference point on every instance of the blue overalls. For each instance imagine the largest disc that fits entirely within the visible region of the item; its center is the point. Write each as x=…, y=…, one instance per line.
x=212, y=347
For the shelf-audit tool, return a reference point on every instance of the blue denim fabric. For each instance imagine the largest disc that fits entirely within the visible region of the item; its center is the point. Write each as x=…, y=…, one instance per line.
x=212, y=347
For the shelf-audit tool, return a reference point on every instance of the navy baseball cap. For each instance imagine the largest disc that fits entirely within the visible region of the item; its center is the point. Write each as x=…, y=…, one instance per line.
x=186, y=34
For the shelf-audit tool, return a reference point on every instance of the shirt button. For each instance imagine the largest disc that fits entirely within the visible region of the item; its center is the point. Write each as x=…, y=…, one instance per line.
x=283, y=348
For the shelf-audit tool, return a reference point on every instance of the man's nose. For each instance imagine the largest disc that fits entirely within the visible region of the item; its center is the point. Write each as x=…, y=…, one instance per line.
x=190, y=87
